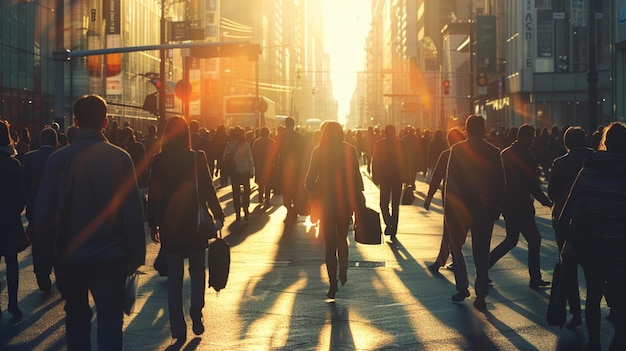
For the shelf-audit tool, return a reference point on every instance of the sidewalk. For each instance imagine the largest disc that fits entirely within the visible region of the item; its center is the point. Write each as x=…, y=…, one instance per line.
x=275, y=297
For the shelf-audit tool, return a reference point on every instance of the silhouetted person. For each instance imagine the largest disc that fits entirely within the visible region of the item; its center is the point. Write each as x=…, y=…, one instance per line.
x=33, y=164
x=439, y=173
x=12, y=201
x=199, y=142
x=334, y=179
x=290, y=146
x=173, y=201
x=241, y=173
x=473, y=195
x=263, y=149
x=595, y=220
x=522, y=188
x=89, y=205
x=564, y=171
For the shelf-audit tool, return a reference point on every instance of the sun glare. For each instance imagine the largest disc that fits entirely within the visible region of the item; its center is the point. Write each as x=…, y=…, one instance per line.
x=346, y=24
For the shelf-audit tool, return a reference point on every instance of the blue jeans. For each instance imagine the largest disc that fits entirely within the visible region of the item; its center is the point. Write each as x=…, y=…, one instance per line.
x=106, y=280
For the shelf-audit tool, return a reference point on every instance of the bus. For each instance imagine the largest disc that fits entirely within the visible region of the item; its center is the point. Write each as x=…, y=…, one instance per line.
x=241, y=110
x=312, y=124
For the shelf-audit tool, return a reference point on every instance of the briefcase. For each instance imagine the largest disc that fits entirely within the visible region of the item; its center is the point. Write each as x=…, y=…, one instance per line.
x=367, y=229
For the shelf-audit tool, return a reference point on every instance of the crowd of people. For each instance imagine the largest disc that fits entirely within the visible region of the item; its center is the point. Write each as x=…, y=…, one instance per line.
x=89, y=192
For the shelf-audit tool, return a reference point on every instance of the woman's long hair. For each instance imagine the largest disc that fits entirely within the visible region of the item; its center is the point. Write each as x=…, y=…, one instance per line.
x=176, y=137
x=332, y=134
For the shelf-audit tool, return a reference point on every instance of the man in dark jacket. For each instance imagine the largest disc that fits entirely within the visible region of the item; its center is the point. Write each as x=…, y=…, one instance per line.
x=90, y=210
x=390, y=169
x=522, y=187
x=33, y=165
x=473, y=195
x=564, y=171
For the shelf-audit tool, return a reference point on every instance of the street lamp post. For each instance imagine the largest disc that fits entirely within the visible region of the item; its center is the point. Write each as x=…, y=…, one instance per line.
x=162, y=75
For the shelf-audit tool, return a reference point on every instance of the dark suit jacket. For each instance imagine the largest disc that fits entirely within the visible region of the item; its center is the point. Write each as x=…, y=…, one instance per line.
x=33, y=165
x=390, y=164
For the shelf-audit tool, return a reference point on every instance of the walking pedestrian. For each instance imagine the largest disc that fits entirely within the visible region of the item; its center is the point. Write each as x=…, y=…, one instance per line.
x=473, y=196
x=290, y=146
x=243, y=170
x=389, y=171
x=89, y=209
x=439, y=173
x=263, y=150
x=34, y=163
x=564, y=171
x=595, y=221
x=522, y=188
x=12, y=201
x=333, y=178
x=172, y=217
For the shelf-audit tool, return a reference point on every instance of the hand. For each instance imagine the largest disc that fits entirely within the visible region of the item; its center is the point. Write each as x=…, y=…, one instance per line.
x=155, y=235
x=427, y=201
x=219, y=224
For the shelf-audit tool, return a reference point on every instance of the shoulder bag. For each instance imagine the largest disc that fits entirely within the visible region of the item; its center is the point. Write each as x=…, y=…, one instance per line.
x=205, y=226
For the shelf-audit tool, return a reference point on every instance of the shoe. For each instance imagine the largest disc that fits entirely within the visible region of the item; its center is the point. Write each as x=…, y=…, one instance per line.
x=388, y=230
x=197, y=325
x=179, y=340
x=450, y=266
x=480, y=304
x=434, y=268
x=17, y=314
x=538, y=284
x=460, y=295
x=489, y=281
x=332, y=291
x=575, y=322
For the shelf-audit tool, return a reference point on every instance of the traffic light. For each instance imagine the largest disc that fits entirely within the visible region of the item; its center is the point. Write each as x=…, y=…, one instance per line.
x=156, y=82
x=446, y=87
x=562, y=63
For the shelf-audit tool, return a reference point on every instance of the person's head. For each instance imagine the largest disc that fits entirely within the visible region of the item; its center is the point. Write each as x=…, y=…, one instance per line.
x=332, y=133
x=55, y=126
x=127, y=136
x=264, y=132
x=194, y=126
x=454, y=136
x=152, y=130
x=614, y=137
x=290, y=122
x=526, y=135
x=238, y=134
x=176, y=136
x=90, y=112
x=5, y=134
x=48, y=136
x=475, y=126
x=390, y=131
x=574, y=137
x=71, y=133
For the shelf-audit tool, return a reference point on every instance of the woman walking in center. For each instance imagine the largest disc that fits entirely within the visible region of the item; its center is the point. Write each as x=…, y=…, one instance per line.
x=172, y=216
x=334, y=180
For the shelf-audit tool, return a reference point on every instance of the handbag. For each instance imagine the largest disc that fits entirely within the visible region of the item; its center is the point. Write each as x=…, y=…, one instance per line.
x=367, y=228
x=407, y=196
x=132, y=286
x=556, y=314
x=218, y=261
x=205, y=226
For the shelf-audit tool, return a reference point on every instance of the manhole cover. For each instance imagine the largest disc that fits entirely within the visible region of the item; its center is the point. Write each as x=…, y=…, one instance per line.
x=366, y=264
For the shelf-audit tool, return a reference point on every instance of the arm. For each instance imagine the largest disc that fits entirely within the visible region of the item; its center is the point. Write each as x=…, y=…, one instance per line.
x=132, y=214
x=207, y=190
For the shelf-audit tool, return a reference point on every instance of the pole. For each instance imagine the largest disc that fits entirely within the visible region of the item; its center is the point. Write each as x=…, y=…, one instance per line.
x=592, y=73
x=162, y=74
x=60, y=58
